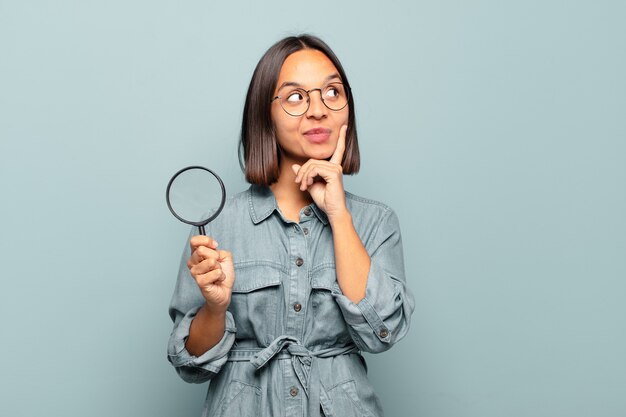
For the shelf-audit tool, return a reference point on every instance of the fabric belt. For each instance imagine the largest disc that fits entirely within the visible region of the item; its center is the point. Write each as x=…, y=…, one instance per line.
x=304, y=363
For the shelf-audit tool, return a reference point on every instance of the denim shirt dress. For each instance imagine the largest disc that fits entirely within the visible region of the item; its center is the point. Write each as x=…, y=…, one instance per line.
x=292, y=342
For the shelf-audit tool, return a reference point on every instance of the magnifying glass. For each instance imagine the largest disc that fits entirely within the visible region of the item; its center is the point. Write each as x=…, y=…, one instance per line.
x=195, y=195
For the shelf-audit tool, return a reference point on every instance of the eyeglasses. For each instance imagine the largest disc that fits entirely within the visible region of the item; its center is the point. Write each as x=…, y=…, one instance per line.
x=296, y=102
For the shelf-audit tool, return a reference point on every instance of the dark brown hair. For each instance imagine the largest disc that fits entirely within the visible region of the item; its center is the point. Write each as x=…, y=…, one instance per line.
x=259, y=153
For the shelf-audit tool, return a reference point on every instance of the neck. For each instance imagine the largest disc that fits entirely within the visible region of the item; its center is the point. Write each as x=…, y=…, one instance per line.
x=287, y=191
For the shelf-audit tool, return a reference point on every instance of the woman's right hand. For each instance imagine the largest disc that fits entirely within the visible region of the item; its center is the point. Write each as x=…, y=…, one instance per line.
x=213, y=271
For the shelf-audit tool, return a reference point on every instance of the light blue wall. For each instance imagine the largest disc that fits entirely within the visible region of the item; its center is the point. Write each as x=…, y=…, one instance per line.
x=497, y=130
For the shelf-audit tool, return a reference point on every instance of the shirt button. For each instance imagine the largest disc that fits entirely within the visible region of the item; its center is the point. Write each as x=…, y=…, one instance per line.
x=299, y=261
x=297, y=307
x=307, y=211
x=293, y=391
x=383, y=333
x=306, y=231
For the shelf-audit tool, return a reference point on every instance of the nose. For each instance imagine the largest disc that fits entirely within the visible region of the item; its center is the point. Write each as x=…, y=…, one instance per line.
x=317, y=109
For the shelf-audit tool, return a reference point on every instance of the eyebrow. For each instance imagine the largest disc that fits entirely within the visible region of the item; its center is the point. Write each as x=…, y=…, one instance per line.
x=295, y=84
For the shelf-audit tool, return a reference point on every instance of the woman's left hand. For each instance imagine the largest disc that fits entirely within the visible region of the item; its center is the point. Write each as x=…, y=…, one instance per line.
x=324, y=179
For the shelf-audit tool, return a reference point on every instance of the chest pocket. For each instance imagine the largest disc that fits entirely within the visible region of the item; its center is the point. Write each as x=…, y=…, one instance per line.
x=255, y=302
x=328, y=325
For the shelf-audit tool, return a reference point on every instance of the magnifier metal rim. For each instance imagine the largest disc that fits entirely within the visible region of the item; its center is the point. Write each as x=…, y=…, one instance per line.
x=202, y=222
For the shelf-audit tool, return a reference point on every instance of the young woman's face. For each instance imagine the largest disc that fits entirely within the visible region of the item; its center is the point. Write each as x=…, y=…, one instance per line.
x=313, y=134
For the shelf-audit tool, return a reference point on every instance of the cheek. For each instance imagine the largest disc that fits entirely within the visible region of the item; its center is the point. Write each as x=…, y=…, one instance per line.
x=340, y=120
x=343, y=117
x=282, y=123
x=346, y=115
x=285, y=132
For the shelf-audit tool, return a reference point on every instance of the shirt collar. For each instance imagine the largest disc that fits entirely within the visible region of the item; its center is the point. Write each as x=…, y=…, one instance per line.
x=262, y=203
x=320, y=214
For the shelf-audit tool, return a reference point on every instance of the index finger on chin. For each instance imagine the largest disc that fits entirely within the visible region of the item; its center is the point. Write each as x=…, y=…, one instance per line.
x=337, y=157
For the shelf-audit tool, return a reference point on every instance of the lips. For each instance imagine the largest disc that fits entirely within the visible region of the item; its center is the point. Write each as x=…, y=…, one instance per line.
x=317, y=135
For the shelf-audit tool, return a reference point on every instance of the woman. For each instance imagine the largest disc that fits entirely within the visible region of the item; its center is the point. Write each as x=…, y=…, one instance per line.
x=306, y=275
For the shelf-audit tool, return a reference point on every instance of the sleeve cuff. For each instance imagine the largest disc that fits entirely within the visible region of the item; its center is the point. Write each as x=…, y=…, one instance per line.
x=213, y=359
x=380, y=295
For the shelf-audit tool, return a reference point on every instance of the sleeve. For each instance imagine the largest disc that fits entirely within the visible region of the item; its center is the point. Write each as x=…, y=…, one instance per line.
x=383, y=316
x=186, y=301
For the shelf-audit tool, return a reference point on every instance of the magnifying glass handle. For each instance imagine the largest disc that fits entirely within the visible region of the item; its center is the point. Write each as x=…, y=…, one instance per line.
x=201, y=230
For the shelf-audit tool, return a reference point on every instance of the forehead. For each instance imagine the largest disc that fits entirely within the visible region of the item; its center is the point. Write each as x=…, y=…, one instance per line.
x=307, y=67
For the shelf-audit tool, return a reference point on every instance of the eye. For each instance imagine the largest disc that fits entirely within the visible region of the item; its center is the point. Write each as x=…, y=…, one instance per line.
x=295, y=97
x=332, y=92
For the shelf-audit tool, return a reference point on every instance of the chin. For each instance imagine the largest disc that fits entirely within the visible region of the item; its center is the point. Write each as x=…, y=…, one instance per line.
x=320, y=155
x=320, y=152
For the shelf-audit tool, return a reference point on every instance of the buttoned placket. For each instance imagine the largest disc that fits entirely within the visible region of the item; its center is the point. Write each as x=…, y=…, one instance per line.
x=297, y=304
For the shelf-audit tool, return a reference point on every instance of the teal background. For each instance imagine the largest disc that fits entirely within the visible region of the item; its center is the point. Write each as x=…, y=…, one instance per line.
x=495, y=129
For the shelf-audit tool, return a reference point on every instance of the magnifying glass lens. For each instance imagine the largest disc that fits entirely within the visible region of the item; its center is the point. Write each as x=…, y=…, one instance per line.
x=194, y=195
